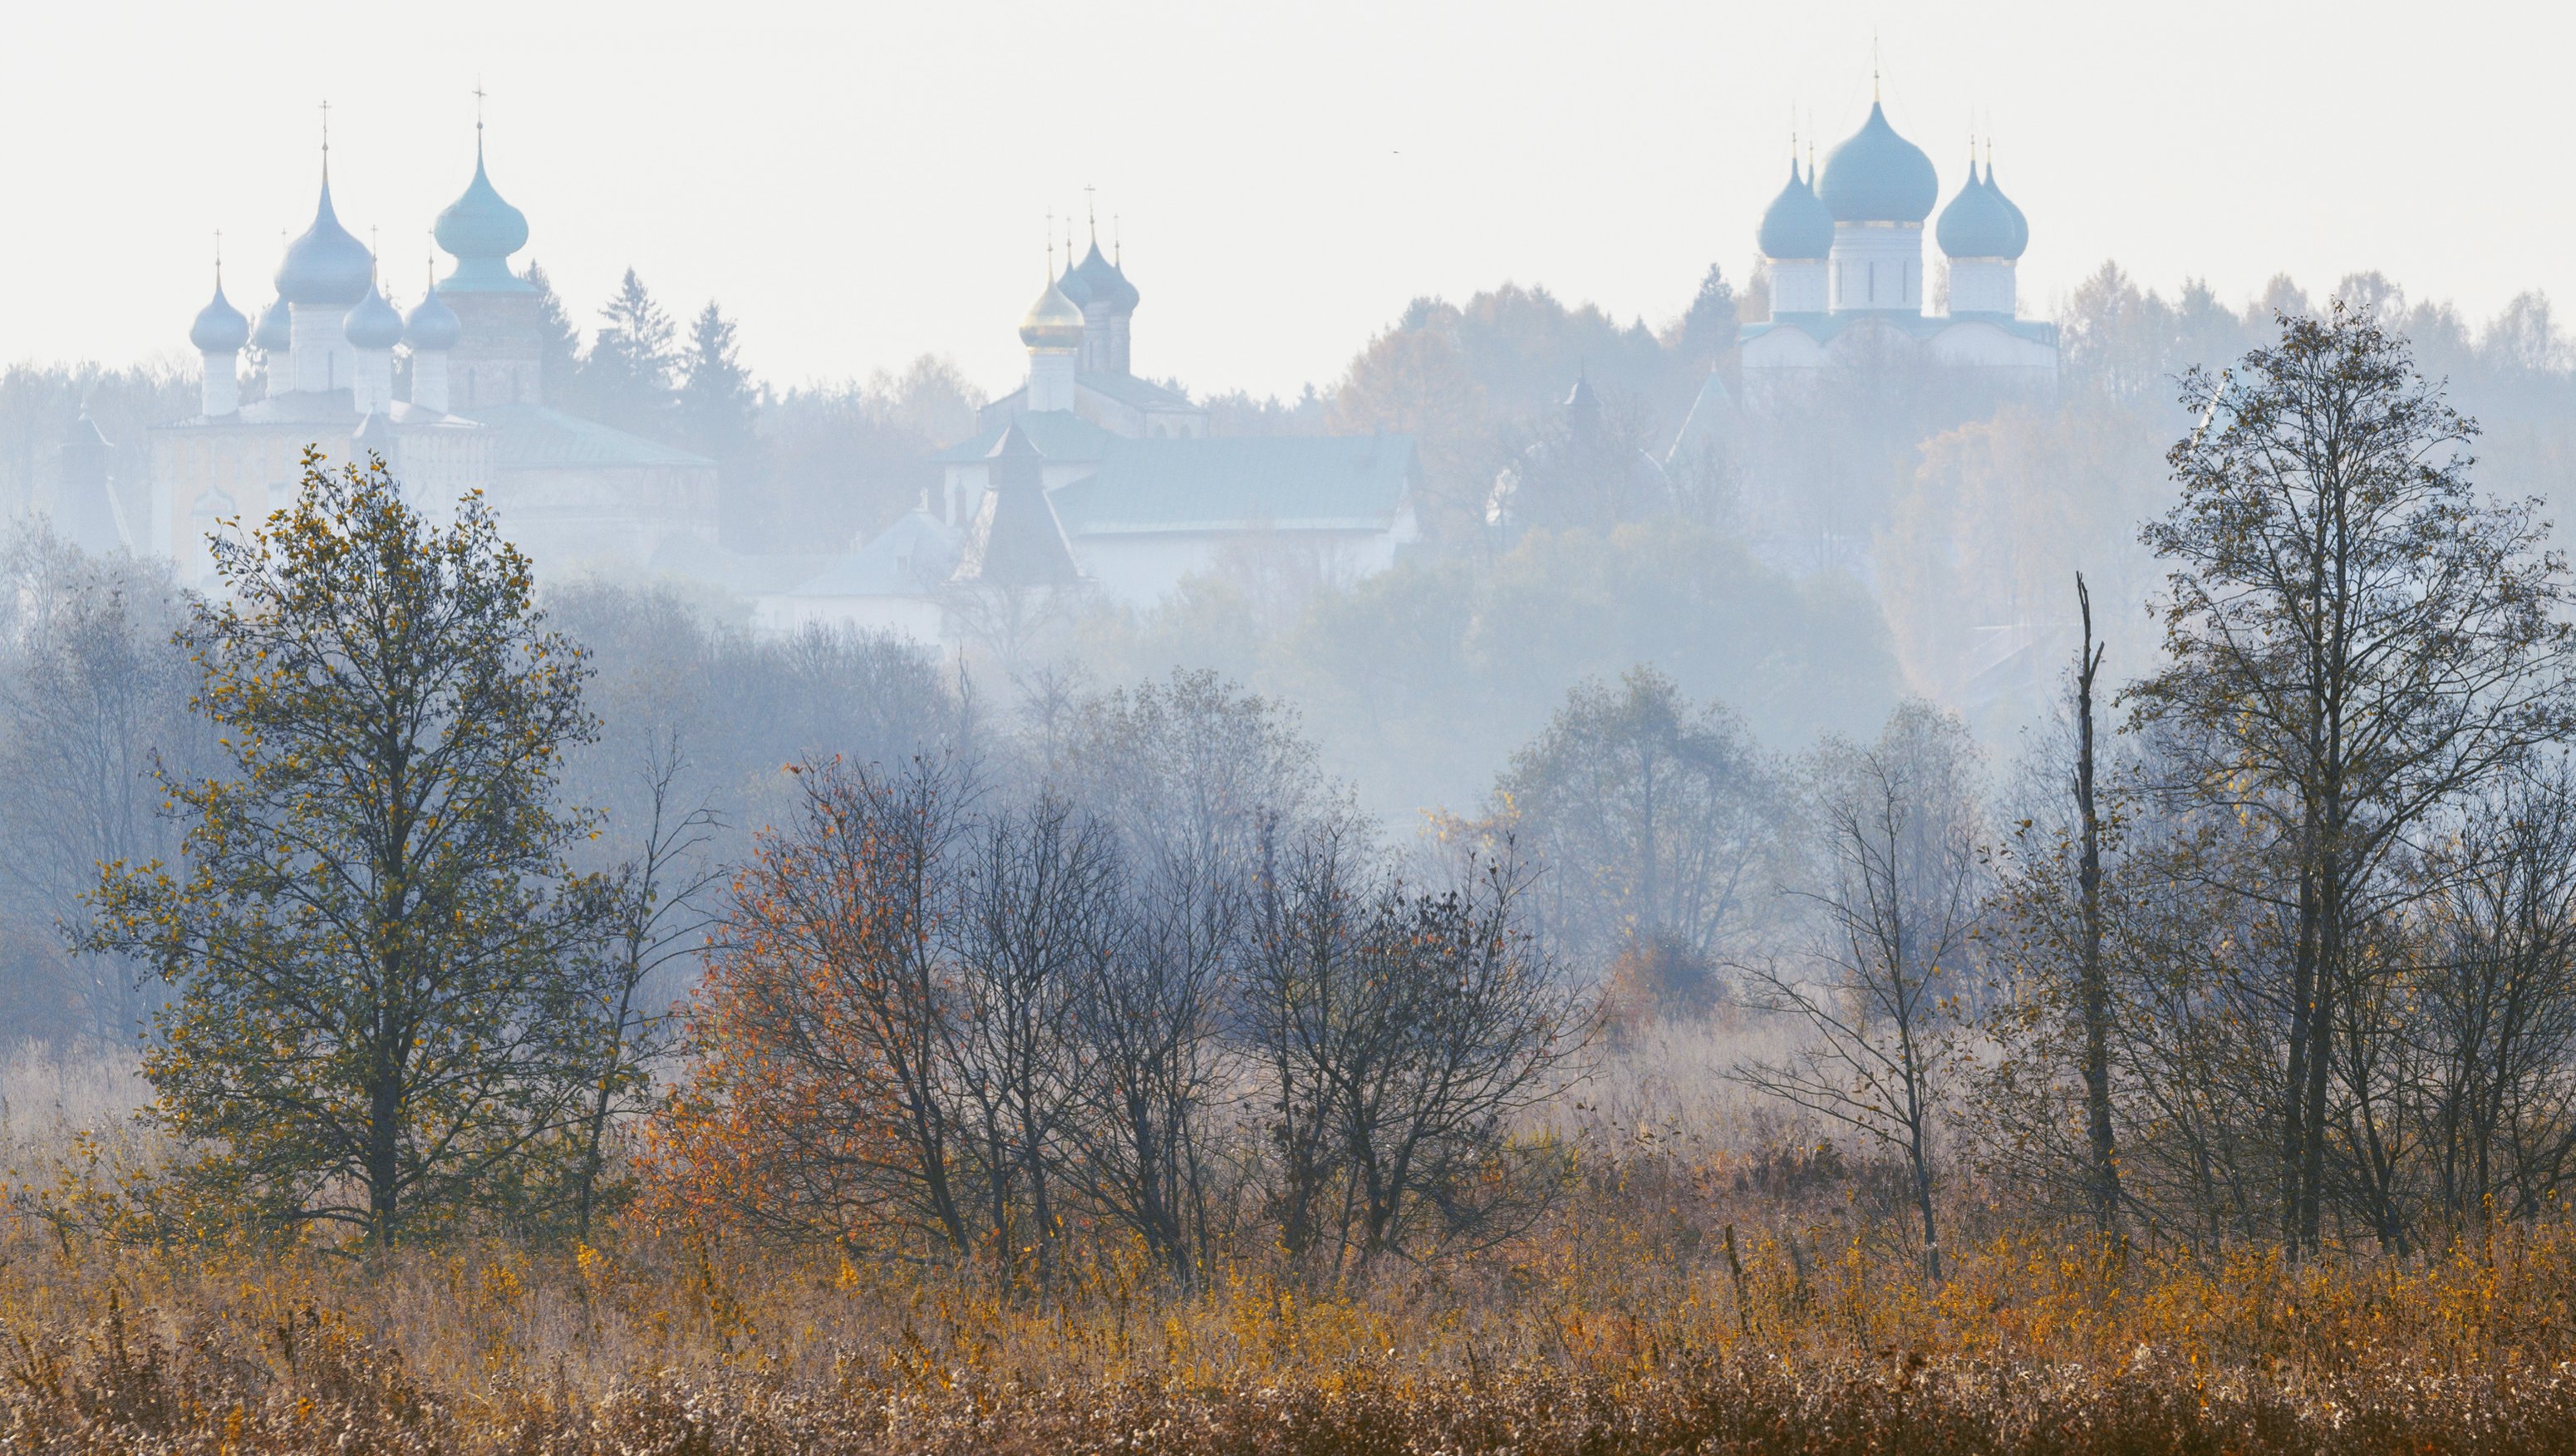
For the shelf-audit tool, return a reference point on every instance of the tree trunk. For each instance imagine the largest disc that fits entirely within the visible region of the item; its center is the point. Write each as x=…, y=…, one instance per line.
x=2095, y=989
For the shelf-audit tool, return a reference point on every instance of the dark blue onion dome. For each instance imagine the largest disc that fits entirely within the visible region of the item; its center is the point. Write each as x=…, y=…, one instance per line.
x=2020, y=224
x=220, y=327
x=1796, y=224
x=326, y=266
x=1101, y=282
x=1126, y=298
x=276, y=331
x=373, y=324
x=432, y=327
x=481, y=231
x=1878, y=176
x=1075, y=287
x=1977, y=223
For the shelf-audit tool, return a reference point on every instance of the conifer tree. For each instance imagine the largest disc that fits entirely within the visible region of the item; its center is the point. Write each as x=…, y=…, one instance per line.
x=715, y=400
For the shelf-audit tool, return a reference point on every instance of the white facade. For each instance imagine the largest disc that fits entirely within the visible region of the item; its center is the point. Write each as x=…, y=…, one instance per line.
x=1877, y=266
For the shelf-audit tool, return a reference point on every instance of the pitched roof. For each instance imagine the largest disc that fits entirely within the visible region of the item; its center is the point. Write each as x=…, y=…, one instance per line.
x=1057, y=434
x=534, y=437
x=1127, y=389
x=1016, y=539
x=1307, y=482
x=908, y=558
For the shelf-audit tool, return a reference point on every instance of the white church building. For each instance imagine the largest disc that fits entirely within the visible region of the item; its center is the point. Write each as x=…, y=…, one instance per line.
x=1844, y=250
x=1127, y=494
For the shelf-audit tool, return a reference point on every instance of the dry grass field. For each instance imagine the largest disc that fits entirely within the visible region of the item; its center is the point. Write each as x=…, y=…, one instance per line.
x=1618, y=1324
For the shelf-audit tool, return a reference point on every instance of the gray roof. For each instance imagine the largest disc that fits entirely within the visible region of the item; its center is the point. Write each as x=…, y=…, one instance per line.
x=1301, y=482
x=1824, y=327
x=686, y=555
x=1057, y=434
x=1016, y=539
x=1127, y=389
x=534, y=437
x=909, y=558
x=1710, y=421
x=336, y=408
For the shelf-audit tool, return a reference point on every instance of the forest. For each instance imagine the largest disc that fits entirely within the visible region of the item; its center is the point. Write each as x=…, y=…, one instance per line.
x=1508, y=1003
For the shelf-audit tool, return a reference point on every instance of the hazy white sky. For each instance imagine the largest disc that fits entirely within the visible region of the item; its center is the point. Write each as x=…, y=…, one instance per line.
x=860, y=183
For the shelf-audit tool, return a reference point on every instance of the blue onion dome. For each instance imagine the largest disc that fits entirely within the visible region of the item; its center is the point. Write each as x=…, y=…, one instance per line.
x=1796, y=224
x=1075, y=287
x=433, y=327
x=326, y=266
x=481, y=231
x=220, y=327
x=1053, y=322
x=2020, y=224
x=373, y=324
x=1977, y=223
x=276, y=331
x=1878, y=176
x=1102, y=282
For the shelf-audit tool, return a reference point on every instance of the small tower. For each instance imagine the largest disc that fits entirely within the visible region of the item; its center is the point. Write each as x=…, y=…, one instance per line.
x=431, y=331
x=1982, y=234
x=1879, y=188
x=219, y=334
x=499, y=354
x=1015, y=540
x=326, y=272
x=373, y=328
x=1053, y=330
x=1797, y=237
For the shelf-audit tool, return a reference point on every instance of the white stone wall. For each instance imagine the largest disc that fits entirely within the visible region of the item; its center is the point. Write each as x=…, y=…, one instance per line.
x=429, y=379
x=219, y=392
x=1051, y=376
x=1982, y=285
x=371, y=388
x=1798, y=285
x=1877, y=267
x=320, y=352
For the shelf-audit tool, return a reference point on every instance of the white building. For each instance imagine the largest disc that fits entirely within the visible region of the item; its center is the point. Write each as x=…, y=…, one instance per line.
x=1123, y=477
x=570, y=492
x=1844, y=249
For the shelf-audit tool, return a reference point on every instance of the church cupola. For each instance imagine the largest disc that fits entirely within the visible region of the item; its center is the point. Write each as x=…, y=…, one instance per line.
x=1983, y=235
x=1879, y=187
x=275, y=335
x=373, y=328
x=480, y=231
x=325, y=273
x=1052, y=329
x=431, y=330
x=219, y=333
x=498, y=356
x=1797, y=238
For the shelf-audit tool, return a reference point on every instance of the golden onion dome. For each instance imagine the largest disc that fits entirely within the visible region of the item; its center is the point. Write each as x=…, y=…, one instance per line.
x=1053, y=322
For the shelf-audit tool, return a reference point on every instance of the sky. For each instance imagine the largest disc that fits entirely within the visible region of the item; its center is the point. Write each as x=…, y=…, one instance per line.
x=860, y=184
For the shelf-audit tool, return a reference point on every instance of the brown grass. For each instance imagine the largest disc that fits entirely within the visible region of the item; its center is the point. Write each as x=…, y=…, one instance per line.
x=1617, y=1326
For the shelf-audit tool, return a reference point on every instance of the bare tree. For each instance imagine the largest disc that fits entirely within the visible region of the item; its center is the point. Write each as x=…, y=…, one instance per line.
x=2354, y=640
x=655, y=917
x=1897, y=894
x=1403, y=1029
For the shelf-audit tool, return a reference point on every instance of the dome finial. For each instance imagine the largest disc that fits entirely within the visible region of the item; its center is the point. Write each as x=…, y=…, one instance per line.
x=1117, y=245
x=326, y=141
x=1873, y=67
x=1091, y=212
x=219, y=260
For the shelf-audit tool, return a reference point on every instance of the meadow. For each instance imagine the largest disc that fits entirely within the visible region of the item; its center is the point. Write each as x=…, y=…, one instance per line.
x=1706, y=1280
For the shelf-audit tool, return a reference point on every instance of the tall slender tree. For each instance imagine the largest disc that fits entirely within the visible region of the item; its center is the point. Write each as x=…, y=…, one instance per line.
x=2354, y=640
x=381, y=1019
